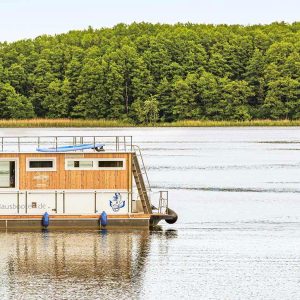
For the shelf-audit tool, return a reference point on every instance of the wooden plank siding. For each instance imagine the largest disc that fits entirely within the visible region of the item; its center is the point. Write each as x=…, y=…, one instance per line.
x=62, y=179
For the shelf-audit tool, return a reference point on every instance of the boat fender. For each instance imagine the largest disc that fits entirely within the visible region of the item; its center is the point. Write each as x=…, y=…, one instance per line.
x=103, y=219
x=45, y=220
x=173, y=215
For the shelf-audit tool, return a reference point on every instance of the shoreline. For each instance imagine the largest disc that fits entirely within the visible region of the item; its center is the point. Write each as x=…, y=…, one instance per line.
x=78, y=123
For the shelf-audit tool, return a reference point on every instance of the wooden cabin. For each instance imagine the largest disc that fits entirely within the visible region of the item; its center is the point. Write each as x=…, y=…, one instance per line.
x=74, y=181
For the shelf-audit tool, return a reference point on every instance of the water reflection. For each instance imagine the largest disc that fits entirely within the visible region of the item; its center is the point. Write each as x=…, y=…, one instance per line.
x=87, y=264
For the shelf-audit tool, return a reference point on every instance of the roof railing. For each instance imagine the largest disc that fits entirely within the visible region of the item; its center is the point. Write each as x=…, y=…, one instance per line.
x=31, y=143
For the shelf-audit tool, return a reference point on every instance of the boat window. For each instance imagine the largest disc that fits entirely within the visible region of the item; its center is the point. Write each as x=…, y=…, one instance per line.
x=95, y=164
x=79, y=164
x=7, y=174
x=37, y=164
x=41, y=164
x=110, y=164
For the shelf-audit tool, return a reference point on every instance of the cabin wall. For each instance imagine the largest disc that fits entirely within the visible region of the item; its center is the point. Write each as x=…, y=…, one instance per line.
x=73, y=192
x=62, y=179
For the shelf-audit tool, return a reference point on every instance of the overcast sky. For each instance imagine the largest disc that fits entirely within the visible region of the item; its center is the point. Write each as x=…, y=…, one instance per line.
x=30, y=18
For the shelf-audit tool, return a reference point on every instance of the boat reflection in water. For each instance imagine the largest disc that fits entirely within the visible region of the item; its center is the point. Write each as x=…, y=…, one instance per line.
x=85, y=265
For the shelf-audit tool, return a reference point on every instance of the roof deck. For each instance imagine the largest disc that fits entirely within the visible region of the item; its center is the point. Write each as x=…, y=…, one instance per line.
x=29, y=144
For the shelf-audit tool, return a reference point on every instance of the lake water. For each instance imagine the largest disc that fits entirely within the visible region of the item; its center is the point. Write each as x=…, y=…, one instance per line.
x=237, y=194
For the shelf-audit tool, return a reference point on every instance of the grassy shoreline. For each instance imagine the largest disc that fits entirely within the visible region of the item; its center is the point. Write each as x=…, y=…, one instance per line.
x=48, y=123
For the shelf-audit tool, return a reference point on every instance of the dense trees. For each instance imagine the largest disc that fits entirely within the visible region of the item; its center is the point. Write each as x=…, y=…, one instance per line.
x=155, y=72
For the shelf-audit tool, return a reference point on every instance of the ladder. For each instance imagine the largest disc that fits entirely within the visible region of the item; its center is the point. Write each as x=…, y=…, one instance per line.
x=139, y=181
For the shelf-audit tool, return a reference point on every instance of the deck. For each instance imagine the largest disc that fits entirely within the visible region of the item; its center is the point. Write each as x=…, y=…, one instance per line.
x=136, y=220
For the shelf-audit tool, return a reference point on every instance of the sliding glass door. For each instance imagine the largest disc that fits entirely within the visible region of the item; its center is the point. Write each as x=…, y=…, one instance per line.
x=7, y=174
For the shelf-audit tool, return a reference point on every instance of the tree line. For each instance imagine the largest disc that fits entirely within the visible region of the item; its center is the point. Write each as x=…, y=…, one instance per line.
x=155, y=72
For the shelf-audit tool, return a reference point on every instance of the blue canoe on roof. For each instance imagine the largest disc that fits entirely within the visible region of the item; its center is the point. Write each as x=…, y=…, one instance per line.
x=97, y=147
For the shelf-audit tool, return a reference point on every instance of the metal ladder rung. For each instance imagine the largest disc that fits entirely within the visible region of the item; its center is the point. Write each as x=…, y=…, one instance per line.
x=139, y=173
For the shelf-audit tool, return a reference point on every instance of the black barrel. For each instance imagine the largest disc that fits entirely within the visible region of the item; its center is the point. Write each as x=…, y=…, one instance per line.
x=172, y=216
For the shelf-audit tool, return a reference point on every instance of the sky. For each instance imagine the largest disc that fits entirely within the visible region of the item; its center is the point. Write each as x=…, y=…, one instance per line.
x=21, y=19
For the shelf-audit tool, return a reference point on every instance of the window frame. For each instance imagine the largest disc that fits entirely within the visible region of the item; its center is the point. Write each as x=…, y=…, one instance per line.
x=29, y=159
x=95, y=164
x=67, y=168
x=16, y=160
x=112, y=168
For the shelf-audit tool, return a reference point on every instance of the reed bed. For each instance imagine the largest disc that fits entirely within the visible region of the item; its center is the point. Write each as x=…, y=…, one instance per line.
x=45, y=123
x=207, y=123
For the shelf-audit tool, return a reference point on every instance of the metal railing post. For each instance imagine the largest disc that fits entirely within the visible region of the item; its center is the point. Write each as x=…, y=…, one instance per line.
x=64, y=203
x=129, y=203
x=167, y=206
x=18, y=202
x=56, y=202
x=26, y=201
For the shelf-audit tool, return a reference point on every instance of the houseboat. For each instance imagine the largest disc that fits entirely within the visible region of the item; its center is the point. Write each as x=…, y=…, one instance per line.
x=59, y=182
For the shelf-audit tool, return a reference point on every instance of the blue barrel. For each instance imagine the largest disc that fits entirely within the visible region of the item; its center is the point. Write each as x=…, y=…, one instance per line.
x=45, y=220
x=103, y=219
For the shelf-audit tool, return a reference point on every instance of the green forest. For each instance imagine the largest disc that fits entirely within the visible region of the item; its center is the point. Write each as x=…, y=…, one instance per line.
x=147, y=73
